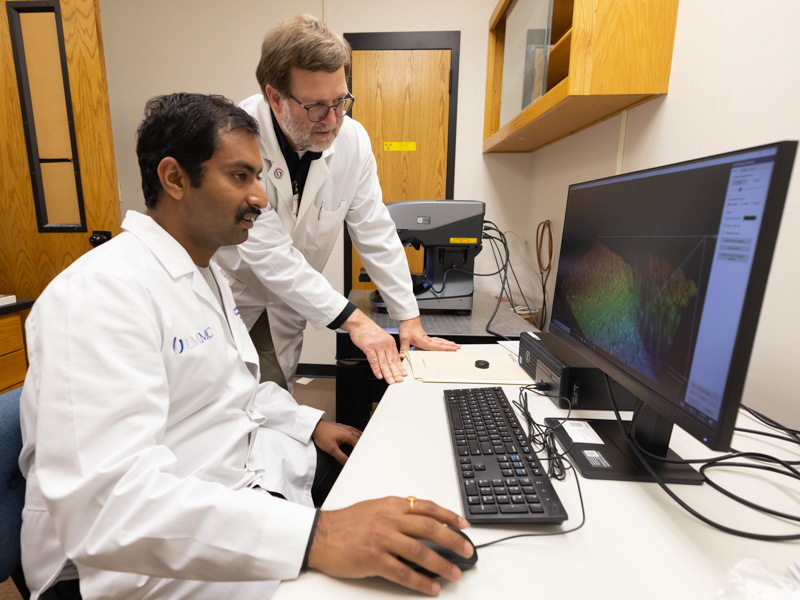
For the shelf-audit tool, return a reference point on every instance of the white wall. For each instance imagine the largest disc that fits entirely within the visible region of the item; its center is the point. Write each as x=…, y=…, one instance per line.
x=734, y=84
x=155, y=47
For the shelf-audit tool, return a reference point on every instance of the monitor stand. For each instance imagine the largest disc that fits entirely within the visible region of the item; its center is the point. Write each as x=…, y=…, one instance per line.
x=613, y=457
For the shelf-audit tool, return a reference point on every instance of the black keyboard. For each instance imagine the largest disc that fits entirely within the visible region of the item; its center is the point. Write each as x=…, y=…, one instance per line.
x=500, y=478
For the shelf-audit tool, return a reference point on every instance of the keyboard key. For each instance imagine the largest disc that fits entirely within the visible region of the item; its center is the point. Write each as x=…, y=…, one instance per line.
x=483, y=510
x=513, y=508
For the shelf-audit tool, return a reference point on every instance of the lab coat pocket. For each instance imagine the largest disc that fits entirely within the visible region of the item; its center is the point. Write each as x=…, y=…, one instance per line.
x=322, y=227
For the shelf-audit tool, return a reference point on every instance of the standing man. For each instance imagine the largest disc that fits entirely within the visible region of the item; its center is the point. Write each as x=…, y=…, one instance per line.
x=319, y=173
x=157, y=465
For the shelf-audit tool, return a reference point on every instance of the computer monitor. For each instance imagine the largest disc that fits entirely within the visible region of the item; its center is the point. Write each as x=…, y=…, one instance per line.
x=660, y=281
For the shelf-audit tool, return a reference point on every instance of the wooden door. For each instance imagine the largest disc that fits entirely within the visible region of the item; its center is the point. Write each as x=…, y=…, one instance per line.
x=29, y=260
x=403, y=99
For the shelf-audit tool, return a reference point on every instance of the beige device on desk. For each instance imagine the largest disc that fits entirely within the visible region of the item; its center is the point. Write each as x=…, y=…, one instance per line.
x=501, y=368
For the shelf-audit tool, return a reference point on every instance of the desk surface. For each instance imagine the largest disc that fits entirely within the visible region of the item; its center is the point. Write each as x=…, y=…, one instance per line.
x=445, y=324
x=637, y=542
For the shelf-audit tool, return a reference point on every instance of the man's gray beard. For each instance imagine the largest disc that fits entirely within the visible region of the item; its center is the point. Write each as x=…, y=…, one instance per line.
x=295, y=130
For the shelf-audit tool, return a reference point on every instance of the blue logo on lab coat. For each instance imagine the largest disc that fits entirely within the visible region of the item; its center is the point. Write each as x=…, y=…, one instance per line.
x=189, y=343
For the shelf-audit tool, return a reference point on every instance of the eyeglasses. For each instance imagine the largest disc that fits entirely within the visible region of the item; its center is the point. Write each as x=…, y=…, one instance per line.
x=317, y=112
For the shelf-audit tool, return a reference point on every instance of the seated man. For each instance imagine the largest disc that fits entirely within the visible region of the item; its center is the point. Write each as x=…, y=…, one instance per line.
x=157, y=465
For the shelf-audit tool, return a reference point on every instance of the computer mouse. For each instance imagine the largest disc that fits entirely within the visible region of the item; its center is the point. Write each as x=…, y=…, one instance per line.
x=482, y=364
x=458, y=560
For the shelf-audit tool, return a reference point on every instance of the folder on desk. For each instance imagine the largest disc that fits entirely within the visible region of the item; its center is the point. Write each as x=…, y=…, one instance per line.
x=459, y=367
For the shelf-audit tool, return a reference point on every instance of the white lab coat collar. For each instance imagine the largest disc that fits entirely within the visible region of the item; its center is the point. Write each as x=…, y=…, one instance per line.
x=166, y=249
x=177, y=262
x=275, y=169
x=170, y=253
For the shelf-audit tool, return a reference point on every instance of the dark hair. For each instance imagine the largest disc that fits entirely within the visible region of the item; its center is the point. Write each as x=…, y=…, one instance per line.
x=303, y=42
x=184, y=127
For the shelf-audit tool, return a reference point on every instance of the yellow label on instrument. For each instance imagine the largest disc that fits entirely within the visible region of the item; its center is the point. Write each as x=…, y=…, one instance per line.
x=463, y=240
x=399, y=146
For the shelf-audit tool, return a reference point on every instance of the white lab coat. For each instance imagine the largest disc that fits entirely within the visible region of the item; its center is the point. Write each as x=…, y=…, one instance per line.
x=145, y=428
x=342, y=187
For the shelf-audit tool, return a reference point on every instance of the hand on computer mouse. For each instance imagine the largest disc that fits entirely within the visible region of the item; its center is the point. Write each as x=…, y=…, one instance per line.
x=458, y=560
x=370, y=538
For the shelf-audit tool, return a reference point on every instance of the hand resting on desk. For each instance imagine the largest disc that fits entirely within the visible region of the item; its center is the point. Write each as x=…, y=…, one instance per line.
x=365, y=540
x=378, y=346
x=412, y=334
x=380, y=349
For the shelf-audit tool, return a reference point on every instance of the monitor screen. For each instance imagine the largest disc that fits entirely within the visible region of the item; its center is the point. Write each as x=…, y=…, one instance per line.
x=661, y=276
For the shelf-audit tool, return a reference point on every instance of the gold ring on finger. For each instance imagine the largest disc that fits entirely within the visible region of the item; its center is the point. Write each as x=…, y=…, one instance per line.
x=411, y=501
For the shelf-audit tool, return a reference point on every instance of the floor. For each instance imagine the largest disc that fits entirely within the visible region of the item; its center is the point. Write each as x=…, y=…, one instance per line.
x=319, y=393
x=8, y=591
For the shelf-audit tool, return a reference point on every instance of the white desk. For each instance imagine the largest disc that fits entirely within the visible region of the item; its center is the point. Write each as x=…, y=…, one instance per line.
x=636, y=543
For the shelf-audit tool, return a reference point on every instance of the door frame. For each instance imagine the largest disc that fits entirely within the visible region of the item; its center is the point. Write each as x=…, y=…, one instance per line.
x=411, y=40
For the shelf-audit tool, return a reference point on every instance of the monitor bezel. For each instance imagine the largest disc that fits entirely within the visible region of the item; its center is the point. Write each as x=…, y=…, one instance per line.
x=718, y=438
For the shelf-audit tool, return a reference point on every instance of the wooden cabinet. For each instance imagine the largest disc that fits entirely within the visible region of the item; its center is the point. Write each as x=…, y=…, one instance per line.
x=606, y=56
x=12, y=352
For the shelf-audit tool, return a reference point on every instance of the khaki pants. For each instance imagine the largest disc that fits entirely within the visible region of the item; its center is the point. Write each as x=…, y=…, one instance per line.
x=267, y=358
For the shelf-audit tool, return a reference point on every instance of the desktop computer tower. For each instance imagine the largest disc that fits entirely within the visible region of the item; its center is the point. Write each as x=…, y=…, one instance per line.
x=573, y=381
